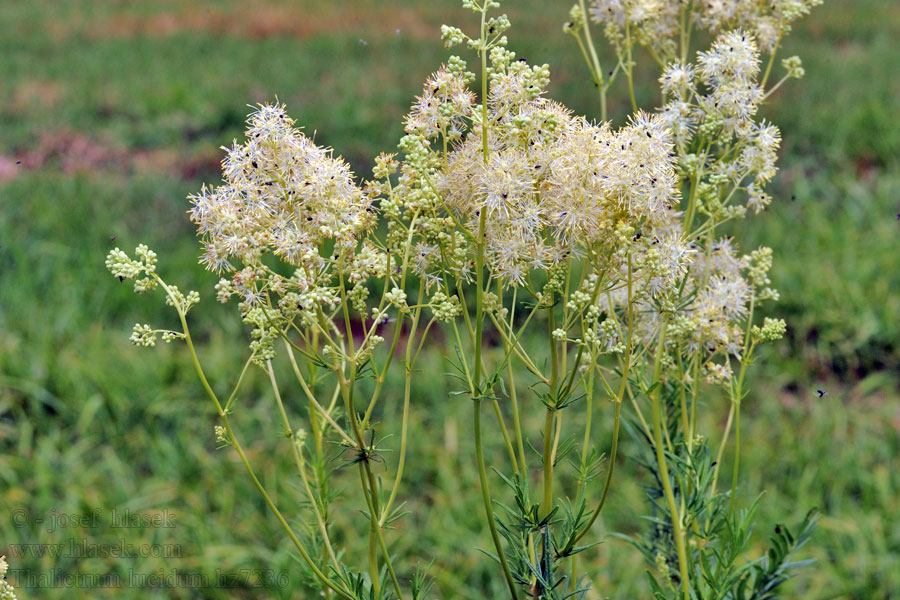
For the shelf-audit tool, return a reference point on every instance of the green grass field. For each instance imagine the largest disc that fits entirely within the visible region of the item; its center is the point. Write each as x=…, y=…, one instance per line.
x=116, y=111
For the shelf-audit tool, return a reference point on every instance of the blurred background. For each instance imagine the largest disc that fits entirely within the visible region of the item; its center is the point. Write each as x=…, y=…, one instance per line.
x=112, y=111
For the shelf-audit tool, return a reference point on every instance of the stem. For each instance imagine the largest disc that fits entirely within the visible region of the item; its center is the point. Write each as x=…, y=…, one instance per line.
x=407, y=385
x=775, y=88
x=695, y=391
x=505, y=433
x=315, y=403
x=623, y=387
x=629, y=66
x=237, y=387
x=381, y=377
x=721, y=451
x=548, y=460
x=549, y=420
x=486, y=498
x=597, y=68
x=373, y=548
x=684, y=411
x=664, y=469
x=370, y=490
x=737, y=453
x=738, y=396
x=692, y=198
x=734, y=412
x=223, y=416
x=762, y=83
x=609, y=472
x=479, y=328
x=298, y=459
x=402, y=461
x=513, y=346
x=520, y=445
x=510, y=372
x=589, y=409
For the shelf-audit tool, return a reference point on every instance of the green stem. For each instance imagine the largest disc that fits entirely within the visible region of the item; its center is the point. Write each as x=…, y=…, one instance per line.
x=738, y=396
x=488, y=506
x=765, y=78
x=548, y=460
x=737, y=454
x=374, y=574
x=629, y=67
x=315, y=403
x=664, y=469
x=479, y=329
x=223, y=416
x=298, y=459
x=596, y=61
x=505, y=434
x=510, y=372
x=550, y=419
x=721, y=452
x=620, y=395
x=407, y=385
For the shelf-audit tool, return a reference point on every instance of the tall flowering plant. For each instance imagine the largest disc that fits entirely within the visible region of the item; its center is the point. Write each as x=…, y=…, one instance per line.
x=505, y=213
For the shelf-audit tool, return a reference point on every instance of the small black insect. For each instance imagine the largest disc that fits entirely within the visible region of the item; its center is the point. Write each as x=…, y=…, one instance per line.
x=112, y=238
x=18, y=162
x=793, y=198
x=820, y=393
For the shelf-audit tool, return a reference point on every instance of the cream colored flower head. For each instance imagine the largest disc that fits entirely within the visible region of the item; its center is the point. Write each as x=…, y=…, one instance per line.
x=282, y=195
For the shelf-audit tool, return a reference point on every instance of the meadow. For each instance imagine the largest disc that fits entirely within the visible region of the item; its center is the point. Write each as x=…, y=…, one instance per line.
x=111, y=113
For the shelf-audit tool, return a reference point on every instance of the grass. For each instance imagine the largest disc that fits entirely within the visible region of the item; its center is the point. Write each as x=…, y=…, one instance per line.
x=116, y=111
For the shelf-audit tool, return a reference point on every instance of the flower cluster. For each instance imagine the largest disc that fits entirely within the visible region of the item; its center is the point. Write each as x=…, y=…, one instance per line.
x=443, y=106
x=718, y=100
x=284, y=196
x=652, y=23
x=768, y=20
x=122, y=266
x=657, y=23
x=547, y=183
x=6, y=589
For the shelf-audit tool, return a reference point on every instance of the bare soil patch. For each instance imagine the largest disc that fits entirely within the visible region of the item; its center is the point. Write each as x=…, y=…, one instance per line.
x=262, y=20
x=72, y=152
